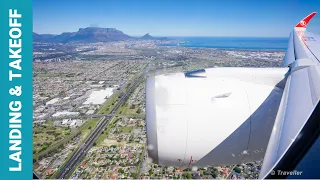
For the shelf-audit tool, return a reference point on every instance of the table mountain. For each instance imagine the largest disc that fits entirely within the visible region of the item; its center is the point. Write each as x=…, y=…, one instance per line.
x=89, y=34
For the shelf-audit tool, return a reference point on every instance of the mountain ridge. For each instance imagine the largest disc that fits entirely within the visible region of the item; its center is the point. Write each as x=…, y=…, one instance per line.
x=90, y=35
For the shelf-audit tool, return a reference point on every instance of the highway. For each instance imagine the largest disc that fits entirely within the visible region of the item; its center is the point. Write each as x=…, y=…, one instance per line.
x=83, y=149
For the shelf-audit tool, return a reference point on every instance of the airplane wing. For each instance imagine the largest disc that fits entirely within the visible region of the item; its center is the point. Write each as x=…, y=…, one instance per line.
x=296, y=126
x=223, y=116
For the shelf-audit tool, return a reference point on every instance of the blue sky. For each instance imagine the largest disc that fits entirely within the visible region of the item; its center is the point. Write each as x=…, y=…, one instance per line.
x=246, y=18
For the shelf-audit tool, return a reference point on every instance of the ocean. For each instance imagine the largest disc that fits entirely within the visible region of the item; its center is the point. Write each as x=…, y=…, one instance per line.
x=245, y=43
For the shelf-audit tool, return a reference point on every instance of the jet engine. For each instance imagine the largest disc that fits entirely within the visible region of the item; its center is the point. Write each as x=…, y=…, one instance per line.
x=214, y=116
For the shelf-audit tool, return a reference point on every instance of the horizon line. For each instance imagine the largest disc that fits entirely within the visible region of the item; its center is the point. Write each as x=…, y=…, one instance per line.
x=227, y=36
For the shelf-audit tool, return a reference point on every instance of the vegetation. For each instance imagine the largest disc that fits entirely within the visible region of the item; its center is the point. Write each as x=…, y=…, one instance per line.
x=114, y=99
x=121, y=170
x=110, y=125
x=237, y=170
x=187, y=176
x=44, y=137
x=87, y=127
x=125, y=129
x=59, y=75
x=150, y=172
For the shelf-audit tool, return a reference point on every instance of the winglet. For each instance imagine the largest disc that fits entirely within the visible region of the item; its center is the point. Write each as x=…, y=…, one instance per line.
x=304, y=22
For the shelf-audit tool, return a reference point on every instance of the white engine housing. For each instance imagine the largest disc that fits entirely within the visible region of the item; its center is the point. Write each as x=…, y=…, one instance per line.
x=212, y=117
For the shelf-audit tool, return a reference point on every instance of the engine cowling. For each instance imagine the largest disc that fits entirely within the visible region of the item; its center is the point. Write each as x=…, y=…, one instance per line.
x=215, y=116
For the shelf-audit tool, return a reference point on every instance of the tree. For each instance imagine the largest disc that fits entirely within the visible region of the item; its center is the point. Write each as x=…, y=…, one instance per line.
x=189, y=176
x=121, y=171
x=214, y=175
x=89, y=127
x=237, y=170
x=134, y=175
x=184, y=175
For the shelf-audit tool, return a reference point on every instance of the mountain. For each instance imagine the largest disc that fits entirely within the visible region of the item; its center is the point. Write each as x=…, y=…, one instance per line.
x=89, y=34
x=41, y=37
x=149, y=37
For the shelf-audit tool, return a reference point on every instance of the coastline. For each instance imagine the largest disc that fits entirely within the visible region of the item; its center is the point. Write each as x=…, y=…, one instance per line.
x=229, y=43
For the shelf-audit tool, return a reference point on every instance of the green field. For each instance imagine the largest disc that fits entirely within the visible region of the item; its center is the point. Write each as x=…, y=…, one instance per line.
x=110, y=125
x=116, y=96
x=58, y=74
x=48, y=138
x=126, y=109
x=129, y=109
x=125, y=129
x=88, y=126
x=49, y=122
x=48, y=75
x=45, y=136
x=101, y=138
x=85, y=129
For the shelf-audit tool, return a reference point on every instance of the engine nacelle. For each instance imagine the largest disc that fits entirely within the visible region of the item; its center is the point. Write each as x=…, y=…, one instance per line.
x=216, y=116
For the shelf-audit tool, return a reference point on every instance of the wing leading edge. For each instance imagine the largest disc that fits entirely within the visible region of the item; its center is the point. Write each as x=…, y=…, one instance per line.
x=299, y=101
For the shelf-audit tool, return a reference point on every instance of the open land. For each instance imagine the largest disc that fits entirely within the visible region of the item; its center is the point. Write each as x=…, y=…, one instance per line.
x=96, y=90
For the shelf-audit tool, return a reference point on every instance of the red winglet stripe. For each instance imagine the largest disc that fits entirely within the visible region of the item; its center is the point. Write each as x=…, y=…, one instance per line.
x=304, y=22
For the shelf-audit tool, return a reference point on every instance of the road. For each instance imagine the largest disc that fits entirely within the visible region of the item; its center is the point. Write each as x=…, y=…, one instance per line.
x=83, y=149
